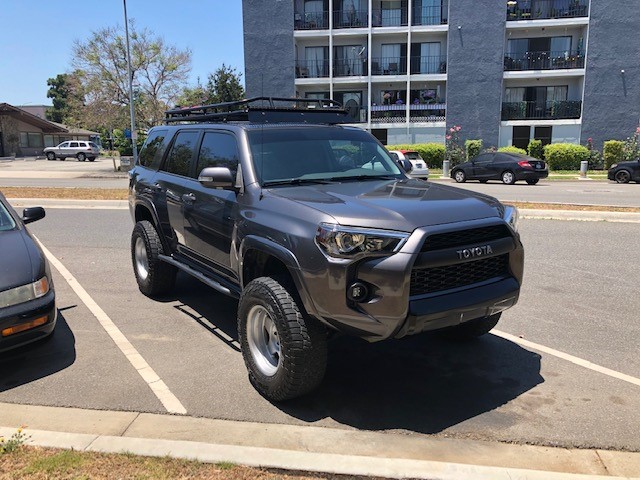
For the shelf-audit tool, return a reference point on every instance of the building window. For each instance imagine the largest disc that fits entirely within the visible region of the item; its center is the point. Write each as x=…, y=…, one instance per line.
x=31, y=140
x=24, y=140
x=521, y=135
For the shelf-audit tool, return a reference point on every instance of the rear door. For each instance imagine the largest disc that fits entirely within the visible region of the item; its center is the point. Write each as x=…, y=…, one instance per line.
x=170, y=183
x=210, y=213
x=72, y=150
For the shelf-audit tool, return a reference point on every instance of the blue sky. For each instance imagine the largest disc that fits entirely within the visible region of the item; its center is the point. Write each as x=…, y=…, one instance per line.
x=38, y=35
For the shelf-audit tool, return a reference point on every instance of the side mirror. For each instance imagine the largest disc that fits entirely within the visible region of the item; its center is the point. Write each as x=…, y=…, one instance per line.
x=405, y=165
x=216, y=177
x=32, y=214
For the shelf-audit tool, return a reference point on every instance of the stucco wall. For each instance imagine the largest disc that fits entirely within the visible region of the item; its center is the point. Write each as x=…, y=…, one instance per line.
x=269, y=56
x=611, y=107
x=475, y=68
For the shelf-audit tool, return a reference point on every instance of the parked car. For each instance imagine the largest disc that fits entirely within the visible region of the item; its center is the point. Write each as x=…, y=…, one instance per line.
x=420, y=168
x=79, y=149
x=27, y=298
x=258, y=201
x=505, y=166
x=623, y=172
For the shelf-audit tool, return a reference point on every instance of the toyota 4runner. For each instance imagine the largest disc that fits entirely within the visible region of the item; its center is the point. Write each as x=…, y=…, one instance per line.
x=316, y=230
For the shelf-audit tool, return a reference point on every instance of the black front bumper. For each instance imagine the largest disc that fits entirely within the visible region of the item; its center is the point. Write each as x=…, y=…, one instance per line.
x=26, y=312
x=480, y=301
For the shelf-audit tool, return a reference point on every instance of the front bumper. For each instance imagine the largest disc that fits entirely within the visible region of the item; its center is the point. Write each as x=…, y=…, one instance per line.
x=392, y=311
x=26, y=312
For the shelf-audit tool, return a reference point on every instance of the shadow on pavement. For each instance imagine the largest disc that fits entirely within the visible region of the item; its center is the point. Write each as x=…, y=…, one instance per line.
x=40, y=359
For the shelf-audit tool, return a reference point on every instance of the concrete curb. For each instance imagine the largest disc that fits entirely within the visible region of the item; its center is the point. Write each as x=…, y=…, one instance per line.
x=309, y=448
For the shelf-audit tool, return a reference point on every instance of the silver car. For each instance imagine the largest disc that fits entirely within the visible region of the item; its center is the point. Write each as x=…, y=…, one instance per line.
x=80, y=149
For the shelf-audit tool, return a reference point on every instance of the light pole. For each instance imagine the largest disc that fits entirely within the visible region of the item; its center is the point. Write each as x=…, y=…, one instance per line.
x=134, y=135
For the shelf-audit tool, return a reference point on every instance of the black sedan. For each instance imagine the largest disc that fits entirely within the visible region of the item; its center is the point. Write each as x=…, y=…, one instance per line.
x=624, y=172
x=504, y=166
x=27, y=299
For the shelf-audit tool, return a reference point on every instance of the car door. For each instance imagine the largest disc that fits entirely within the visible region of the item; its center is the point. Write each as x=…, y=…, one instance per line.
x=170, y=184
x=61, y=150
x=481, y=166
x=210, y=212
x=73, y=149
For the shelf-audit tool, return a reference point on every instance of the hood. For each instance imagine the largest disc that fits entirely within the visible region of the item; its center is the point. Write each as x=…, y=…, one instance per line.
x=22, y=262
x=402, y=205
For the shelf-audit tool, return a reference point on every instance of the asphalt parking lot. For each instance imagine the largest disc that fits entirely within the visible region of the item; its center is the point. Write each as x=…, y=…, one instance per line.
x=578, y=305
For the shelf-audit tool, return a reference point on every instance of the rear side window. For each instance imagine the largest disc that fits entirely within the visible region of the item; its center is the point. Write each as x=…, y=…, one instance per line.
x=153, y=149
x=181, y=153
x=82, y=144
x=413, y=156
x=218, y=150
x=93, y=145
x=73, y=144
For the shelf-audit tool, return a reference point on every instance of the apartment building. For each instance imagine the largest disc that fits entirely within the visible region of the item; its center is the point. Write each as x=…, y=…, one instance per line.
x=407, y=70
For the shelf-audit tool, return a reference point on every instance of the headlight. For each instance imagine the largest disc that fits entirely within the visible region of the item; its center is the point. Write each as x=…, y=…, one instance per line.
x=24, y=293
x=613, y=166
x=510, y=216
x=344, y=242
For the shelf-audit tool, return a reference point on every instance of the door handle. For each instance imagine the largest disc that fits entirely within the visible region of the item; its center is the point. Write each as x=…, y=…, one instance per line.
x=188, y=198
x=153, y=188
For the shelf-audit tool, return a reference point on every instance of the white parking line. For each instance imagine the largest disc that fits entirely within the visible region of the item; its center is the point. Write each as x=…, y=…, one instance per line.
x=570, y=358
x=157, y=386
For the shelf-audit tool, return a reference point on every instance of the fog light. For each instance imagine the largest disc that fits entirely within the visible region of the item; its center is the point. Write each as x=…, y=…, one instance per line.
x=24, y=326
x=358, y=292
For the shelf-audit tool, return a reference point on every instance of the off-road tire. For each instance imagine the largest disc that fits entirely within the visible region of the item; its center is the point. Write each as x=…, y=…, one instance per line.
x=470, y=330
x=160, y=276
x=303, y=341
x=51, y=156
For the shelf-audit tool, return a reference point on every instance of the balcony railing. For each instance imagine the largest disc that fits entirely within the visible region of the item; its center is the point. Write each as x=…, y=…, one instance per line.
x=541, y=9
x=543, y=61
x=551, y=110
x=312, y=68
x=389, y=66
x=429, y=64
x=390, y=18
x=430, y=15
x=417, y=113
x=346, y=67
x=311, y=21
x=351, y=19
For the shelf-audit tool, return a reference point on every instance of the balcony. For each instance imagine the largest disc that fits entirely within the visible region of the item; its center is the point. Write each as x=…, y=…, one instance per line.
x=419, y=113
x=351, y=19
x=389, y=66
x=430, y=15
x=390, y=17
x=428, y=65
x=311, y=21
x=551, y=110
x=543, y=61
x=349, y=67
x=312, y=68
x=546, y=9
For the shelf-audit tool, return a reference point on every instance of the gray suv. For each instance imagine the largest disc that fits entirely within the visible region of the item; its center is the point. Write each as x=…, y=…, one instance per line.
x=316, y=230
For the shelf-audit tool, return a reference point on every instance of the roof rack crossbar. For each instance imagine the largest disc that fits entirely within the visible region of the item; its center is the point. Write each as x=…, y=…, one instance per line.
x=264, y=110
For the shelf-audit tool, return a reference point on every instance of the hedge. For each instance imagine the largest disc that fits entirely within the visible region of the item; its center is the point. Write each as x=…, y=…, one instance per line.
x=432, y=153
x=535, y=149
x=472, y=148
x=613, y=152
x=512, y=149
x=565, y=156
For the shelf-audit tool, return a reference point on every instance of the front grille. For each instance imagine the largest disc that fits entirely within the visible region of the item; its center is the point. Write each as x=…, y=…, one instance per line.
x=435, y=279
x=465, y=237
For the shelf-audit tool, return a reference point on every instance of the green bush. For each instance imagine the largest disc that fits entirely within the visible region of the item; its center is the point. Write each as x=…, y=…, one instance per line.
x=512, y=149
x=432, y=153
x=535, y=149
x=473, y=148
x=613, y=152
x=565, y=156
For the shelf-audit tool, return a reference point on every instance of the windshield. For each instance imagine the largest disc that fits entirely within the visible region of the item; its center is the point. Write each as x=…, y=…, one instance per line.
x=6, y=220
x=297, y=155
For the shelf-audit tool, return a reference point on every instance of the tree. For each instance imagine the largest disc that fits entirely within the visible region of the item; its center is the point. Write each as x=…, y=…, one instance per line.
x=224, y=85
x=67, y=94
x=158, y=71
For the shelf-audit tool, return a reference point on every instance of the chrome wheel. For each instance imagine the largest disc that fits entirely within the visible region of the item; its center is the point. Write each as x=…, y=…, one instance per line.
x=623, y=176
x=264, y=341
x=142, y=261
x=508, y=178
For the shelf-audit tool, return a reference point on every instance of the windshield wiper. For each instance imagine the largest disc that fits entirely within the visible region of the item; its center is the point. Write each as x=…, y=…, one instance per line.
x=364, y=177
x=295, y=181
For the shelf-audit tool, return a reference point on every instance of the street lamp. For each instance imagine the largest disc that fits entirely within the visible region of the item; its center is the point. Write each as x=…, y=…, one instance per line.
x=134, y=135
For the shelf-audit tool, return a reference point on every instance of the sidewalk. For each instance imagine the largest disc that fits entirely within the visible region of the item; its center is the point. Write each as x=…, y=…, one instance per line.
x=309, y=448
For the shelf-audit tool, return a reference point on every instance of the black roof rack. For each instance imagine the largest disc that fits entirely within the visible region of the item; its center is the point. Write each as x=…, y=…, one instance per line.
x=264, y=110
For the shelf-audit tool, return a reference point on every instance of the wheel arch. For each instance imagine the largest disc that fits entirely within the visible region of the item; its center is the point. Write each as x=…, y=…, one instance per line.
x=146, y=211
